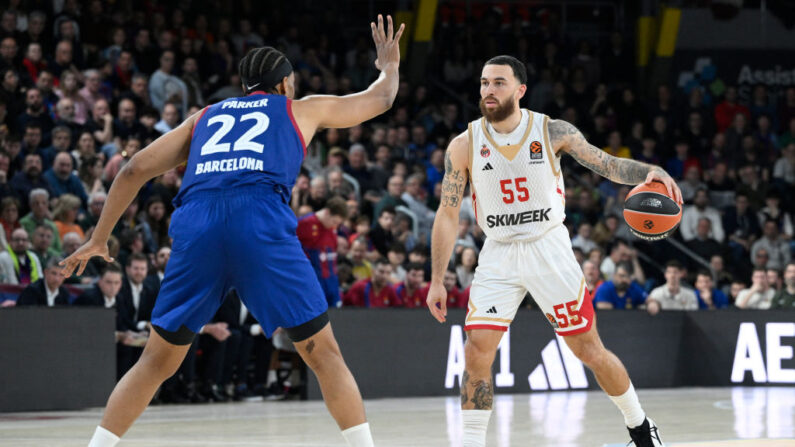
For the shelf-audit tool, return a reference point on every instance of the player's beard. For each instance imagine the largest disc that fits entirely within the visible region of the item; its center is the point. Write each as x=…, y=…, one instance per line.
x=500, y=113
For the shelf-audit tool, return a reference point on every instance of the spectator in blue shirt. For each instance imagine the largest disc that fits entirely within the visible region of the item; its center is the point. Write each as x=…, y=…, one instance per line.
x=621, y=292
x=63, y=181
x=709, y=297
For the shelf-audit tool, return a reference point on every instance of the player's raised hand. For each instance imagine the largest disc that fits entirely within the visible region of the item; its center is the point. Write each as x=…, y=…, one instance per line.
x=387, y=42
x=82, y=255
x=437, y=302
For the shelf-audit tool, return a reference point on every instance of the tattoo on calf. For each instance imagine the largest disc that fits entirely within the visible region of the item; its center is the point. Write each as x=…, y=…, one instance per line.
x=483, y=397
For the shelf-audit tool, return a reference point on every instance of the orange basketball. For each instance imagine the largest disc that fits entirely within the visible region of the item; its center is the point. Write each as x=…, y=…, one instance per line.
x=650, y=212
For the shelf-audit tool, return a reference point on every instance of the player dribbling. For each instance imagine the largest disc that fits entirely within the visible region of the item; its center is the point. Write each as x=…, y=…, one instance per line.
x=511, y=158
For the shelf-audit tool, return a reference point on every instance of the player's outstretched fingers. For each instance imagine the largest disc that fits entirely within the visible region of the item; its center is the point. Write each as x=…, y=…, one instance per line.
x=68, y=267
x=82, y=268
x=400, y=32
x=390, y=28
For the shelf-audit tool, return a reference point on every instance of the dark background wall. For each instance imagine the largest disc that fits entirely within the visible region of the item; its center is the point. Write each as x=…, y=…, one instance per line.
x=56, y=358
x=404, y=352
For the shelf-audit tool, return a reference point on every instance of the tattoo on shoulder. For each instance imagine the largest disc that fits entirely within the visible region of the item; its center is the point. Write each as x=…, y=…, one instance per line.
x=559, y=129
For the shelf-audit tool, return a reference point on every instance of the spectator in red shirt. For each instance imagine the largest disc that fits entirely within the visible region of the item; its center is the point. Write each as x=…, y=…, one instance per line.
x=725, y=111
x=318, y=235
x=375, y=291
x=454, y=297
x=412, y=292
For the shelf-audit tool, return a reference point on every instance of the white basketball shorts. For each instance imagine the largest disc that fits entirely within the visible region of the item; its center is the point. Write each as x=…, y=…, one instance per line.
x=546, y=268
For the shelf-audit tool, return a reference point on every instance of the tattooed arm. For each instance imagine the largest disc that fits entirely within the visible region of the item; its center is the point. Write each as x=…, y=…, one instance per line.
x=445, y=226
x=565, y=137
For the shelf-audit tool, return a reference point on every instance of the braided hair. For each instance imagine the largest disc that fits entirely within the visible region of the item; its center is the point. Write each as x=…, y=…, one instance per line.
x=263, y=68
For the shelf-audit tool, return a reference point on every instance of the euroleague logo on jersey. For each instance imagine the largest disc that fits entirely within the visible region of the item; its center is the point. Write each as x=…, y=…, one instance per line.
x=535, y=151
x=484, y=151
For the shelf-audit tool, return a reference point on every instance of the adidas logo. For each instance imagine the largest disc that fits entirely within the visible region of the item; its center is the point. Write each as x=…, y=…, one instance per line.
x=560, y=369
x=493, y=310
x=488, y=167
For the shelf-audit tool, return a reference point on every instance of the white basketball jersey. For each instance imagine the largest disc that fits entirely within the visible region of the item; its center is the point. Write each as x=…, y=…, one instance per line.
x=517, y=188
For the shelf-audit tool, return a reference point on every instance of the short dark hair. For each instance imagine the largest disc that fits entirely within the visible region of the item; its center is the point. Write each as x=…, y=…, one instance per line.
x=419, y=250
x=136, y=257
x=704, y=272
x=112, y=267
x=519, y=70
x=674, y=263
x=626, y=266
x=337, y=207
x=388, y=209
x=397, y=248
x=381, y=261
x=414, y=266
x=45, y=227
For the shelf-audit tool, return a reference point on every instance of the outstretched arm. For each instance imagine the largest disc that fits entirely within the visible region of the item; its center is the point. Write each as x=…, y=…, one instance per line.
x=567, y=138
x=327, y=111
x=445, y=225
x=165, y=153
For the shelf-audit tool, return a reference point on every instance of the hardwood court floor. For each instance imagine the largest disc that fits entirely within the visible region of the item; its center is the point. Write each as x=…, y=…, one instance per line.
x=692, y=417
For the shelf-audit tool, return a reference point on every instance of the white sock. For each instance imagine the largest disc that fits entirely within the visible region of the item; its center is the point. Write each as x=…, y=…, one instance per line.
x=475, y=424
x=358, y=436
x=271, y=378
x=103, y=438
x=629, y=405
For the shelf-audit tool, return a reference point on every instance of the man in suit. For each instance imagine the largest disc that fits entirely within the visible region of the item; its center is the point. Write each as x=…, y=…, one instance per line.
x=48, y=291
x=135, y=296
x=106, y=294
x=246, y=338
x=135, y=302
x=155, y=277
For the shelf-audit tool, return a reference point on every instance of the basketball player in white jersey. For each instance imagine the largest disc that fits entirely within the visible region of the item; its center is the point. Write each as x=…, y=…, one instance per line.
x=512, y=159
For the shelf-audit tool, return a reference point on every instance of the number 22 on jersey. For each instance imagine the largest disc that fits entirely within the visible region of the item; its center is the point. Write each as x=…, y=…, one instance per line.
x=245, y=142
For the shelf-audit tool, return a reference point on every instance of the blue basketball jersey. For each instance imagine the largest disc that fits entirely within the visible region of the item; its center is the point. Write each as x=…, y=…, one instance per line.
x=245, y=141
x=234, y=227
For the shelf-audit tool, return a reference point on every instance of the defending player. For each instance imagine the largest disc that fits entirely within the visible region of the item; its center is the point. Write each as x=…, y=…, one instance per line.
x=234, y=228
x=512, y=159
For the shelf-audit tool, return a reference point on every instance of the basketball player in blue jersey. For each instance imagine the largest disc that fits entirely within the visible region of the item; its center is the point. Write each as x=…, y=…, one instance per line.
x=233, y=227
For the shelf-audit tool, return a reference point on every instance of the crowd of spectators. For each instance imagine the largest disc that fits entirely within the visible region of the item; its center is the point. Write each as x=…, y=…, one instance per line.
x=85, y=85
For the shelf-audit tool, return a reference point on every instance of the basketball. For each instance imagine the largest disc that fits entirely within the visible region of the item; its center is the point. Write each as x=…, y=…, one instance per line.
x=650, y=212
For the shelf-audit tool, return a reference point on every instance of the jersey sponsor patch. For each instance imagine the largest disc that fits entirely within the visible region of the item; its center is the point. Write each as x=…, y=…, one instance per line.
x=488, y=167
x=506, y=220
x=535, y=151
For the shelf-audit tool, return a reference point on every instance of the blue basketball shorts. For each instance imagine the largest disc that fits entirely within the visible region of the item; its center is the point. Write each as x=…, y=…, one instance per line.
x=244, y=238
